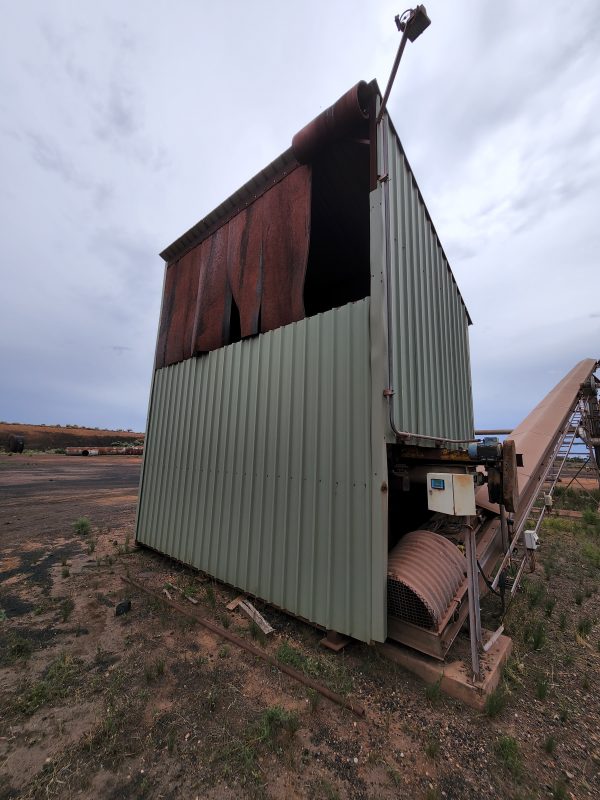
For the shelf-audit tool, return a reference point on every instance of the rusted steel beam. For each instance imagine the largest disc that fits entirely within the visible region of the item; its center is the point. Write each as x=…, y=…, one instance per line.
x=345, y=702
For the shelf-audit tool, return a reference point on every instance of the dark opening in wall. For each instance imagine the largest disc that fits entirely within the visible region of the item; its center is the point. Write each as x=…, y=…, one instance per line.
x=338, y=270
x=235, y=328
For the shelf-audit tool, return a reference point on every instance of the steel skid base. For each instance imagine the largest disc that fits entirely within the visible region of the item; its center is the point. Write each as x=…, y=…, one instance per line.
x=455, y=676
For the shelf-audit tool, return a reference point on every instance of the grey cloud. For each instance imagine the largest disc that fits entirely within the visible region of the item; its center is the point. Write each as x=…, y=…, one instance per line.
x=52, y=158
x=460, y=249
x=78, y=75
x=496, y=107
x=121, y=116
x=49, y=156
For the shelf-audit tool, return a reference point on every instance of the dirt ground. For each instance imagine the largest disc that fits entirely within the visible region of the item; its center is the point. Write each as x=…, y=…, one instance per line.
x=149, y=705
x=51, y=437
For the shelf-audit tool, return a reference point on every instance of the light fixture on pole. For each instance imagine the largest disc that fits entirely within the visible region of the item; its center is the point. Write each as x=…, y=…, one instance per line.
x=412, y=23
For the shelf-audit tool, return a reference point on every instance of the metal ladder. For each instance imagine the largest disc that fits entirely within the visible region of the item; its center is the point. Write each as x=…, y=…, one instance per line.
x=566, y=448
x=563, y=447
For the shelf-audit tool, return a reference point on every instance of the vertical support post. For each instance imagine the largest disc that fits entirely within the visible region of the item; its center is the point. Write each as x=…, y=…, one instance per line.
x=504, y=529
x=473, y=596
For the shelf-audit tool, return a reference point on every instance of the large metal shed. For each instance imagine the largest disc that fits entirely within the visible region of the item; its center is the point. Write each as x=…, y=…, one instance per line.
x=308, y=324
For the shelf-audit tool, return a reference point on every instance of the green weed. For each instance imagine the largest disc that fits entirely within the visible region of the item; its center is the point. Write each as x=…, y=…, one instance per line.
x=154, y=670
x=171, y=741
x=82, y=526
x=256, y=633
x=509, y=754
x=584, y=626
x=333, y=671
x=432, y=747
x=433, y=692
x=18, y=648
x=275, y=724
x=585, y=683
x=550, y=745
x=322, y=789
x=495, y=702
x=541, y=687
x=209, y=596
x=562, y=622
x=538, y=635
x=559, y=791
x=66, y=609
x=291, y=656
x=591, y=552
x=57, y=682
x=549, y=606
x=591, y=518
x=314, y=699
x=535, y=593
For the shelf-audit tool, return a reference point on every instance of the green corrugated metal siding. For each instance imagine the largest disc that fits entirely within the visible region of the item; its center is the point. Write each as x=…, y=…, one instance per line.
x=432, y=374
x=258, y=470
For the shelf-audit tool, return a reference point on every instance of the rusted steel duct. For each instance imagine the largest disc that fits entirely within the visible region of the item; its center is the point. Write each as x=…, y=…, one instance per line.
x=345, y=117
x=535, y=436
x=424, y=572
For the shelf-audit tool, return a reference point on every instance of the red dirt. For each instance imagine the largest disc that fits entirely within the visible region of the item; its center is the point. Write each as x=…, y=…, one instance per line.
x=147, y=705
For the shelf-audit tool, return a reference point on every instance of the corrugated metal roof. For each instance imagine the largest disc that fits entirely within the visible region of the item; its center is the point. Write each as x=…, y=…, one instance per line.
x=409, y=169
x=429, y=326
x=258, y=470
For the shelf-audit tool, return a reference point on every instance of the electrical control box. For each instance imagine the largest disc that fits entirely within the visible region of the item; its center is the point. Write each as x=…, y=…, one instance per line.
x=451, y=493
x=532, y=540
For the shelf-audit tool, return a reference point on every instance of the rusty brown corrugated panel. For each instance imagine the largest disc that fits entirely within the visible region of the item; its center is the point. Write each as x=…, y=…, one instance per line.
x=285, y=213
x=424, y=572
x=534, y=437
x=348, y=116
x=212, y=296
x=177, y=319
x=254, y=255
x=258, y=260
x=244, y=271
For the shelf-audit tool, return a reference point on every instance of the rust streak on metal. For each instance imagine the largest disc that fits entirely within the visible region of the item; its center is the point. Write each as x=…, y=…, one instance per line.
x=345, y=702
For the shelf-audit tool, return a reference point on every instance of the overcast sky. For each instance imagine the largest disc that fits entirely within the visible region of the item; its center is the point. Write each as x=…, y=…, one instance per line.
x=124, y=123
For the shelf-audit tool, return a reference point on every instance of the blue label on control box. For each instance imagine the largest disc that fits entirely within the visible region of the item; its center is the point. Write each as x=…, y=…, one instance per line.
x=438, y=483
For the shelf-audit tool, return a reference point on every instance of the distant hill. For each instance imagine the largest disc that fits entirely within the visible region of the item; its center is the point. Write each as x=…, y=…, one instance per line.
x=52, y=437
